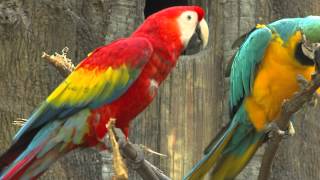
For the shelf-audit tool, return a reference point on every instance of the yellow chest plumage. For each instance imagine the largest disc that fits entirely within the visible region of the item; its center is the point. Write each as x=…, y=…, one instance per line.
x=275, y=81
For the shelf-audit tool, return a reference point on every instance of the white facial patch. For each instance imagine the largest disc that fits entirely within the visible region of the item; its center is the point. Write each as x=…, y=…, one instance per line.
x=187, y=22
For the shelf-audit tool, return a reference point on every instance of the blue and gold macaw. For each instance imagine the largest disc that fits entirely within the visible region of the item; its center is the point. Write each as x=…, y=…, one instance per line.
x=263, y=74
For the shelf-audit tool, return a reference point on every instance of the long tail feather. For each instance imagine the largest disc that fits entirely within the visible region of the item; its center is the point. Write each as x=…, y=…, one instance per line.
x=44, y=149
x=16, y=149
x=204, y=165
x=26, y=157
x=16, y=169
x=35, y=150
x=230, y=151
x=234, y=160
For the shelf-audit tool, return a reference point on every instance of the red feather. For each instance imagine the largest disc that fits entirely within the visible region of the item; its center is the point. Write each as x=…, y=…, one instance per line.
x=162, y=33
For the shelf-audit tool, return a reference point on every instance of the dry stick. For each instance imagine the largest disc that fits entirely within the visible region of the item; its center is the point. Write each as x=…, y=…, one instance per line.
x=60, y=62
x=133, y=154
x=289, y=107
x=120, y=168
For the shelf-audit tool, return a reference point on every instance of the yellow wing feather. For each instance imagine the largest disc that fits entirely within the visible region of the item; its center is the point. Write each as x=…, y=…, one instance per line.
x=83, y=85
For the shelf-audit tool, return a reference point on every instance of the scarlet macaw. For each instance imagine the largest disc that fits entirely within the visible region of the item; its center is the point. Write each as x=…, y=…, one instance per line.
x=263, y=74
x=117, y=81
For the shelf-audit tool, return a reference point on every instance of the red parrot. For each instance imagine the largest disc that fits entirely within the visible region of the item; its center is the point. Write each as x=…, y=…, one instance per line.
x=118, y=80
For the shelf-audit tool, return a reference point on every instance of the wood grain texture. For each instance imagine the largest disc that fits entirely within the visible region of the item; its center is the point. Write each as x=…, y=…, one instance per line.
x=29, y=27
x=191, y=106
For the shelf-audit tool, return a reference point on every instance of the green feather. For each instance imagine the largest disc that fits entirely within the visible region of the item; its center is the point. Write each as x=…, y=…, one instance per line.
x=245, y=64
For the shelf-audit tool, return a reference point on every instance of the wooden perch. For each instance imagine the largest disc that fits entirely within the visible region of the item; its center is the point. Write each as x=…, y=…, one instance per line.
x=288, y=108
x=132, y=153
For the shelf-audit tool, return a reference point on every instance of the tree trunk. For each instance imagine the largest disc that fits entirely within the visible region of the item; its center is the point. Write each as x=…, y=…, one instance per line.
x=191, y=106
x=29, y=27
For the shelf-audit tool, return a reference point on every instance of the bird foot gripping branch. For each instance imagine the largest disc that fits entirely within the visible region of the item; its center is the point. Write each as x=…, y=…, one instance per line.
x=311, y=50
x=289, y=107
x=274, y=128
x=133, y=156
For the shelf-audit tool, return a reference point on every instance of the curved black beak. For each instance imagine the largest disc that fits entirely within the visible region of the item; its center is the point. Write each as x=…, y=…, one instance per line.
x=199, y=39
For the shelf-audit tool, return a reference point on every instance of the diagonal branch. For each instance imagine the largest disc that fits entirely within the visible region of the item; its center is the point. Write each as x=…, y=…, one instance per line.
x=289, y=107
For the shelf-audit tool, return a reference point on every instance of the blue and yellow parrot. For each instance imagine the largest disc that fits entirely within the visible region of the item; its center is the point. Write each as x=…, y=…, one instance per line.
x=263, y=74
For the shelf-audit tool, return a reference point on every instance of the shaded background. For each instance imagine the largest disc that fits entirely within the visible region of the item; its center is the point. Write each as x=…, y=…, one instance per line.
x=191, y=105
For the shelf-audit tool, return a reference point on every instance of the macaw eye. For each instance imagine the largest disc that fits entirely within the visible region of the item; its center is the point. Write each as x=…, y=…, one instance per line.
x=189, y=17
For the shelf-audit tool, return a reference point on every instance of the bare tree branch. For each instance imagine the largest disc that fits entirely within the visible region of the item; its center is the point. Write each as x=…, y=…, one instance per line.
x=288, y=108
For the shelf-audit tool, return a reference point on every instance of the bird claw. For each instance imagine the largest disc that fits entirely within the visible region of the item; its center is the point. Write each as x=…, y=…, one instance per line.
x=291, y=131
x=311, y=50
x=281, y=132
x=273, y=127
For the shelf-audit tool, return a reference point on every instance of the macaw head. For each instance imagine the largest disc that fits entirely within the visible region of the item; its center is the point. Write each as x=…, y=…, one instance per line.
x=174, y=27
x=310, y=26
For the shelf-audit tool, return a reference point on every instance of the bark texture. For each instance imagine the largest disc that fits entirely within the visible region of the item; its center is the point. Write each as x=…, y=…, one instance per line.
x=29, y=27
x=191, y=106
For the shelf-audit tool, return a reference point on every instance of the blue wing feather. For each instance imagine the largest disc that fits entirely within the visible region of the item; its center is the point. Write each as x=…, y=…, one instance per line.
x=245, y=65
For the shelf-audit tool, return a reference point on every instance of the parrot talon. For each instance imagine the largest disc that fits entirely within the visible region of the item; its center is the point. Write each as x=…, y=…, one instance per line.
x=291, y=131
x=281, y=132
x=309, y=48
x=273, y=127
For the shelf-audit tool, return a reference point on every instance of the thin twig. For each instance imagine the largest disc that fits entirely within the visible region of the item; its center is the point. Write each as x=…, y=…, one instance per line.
x=288, y=108
x=149, y=150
